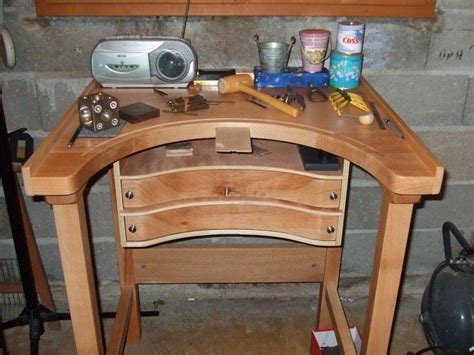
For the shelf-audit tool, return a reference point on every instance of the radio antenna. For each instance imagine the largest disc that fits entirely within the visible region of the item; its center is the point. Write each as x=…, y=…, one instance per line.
x=186, y=12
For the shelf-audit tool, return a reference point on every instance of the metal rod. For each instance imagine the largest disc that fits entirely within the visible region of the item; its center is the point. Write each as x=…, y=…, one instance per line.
x=74, y=136
x=377, y=117
x=394, y=128
x=256, y=103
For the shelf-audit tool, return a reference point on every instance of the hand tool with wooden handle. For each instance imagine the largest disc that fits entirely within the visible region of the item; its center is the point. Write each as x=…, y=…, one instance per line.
x=244, y=83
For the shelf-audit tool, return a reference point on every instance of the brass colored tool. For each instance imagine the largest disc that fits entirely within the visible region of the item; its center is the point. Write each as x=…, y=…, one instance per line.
x=185, y=103
x=341, y=98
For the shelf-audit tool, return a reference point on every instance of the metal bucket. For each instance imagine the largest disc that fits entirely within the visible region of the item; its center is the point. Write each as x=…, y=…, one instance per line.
x=274, y=56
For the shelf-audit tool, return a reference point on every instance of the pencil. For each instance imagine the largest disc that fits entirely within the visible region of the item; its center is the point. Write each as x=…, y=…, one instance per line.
x=74, y=136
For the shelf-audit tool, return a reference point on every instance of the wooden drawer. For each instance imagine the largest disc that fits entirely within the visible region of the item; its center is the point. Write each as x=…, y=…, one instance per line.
x=243, y=183
x=251, y=217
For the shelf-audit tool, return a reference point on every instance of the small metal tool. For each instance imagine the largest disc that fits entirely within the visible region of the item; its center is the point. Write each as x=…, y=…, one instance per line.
x=394, y=128
x=377, y=117
x=74, y=136
x=315, y=94
x=292, y=97
x=253, y=101
x=164, y=95
x=159, y=92
x=217, y=102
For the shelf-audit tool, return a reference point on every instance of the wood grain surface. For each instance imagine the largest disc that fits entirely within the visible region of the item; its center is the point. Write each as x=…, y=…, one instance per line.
x=402, y=166
x=390, y=8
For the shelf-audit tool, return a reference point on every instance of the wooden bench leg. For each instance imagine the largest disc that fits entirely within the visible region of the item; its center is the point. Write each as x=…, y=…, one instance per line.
x=332, y=268
x=126, y=272
x=389, y=256
x=121, y=325
x=73, y=240
x=339, y=321
x=127, y=281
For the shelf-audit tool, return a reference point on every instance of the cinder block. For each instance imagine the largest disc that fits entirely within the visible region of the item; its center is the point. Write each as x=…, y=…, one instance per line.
x=385, y=42
x=424, y=100
x=103, y=256
x=363, y=206
x=468, y=118
x=41, y=216
x=58, y=45
x=357, y=253
x=455, y=202
x=359, y=173
x=451, y=47
x=425, y=251
x=20, y=103
x=55, y=96
x=454, y=4
x=99, y=210
x=105, y=259
x=386, y=45
x=455, y=150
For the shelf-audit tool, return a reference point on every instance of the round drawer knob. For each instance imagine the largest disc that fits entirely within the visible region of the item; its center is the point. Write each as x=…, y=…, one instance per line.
x=132, y=228
x=330, y=229
x=129, y=194
x=333, y=195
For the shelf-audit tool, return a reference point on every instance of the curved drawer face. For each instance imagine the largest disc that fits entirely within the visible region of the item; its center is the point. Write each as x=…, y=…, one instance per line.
x=231, y=183
x=305, y=226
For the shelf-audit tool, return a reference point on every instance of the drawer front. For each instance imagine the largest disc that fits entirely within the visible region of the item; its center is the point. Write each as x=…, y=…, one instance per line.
x=310, y=227
x=231, y=183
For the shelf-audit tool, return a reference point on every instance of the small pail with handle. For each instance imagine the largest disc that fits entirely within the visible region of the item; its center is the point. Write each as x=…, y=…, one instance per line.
x=274, y=56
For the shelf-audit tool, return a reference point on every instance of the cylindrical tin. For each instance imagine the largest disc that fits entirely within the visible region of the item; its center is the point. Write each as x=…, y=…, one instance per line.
x=350, y=37
x=345, y=70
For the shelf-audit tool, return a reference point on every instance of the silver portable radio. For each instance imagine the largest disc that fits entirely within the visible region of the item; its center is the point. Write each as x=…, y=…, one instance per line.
x=144, y=61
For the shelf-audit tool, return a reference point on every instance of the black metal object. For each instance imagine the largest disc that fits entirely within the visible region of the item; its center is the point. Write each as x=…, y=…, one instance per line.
x=292, y=97
x=447, y=312
x=14, y=139
x=34, y=314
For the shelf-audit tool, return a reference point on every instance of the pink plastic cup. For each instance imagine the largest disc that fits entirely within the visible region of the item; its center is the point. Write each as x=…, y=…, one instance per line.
x=314, y=49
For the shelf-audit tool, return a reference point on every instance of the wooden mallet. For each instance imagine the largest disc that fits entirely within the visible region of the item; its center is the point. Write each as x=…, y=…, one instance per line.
x=244, y=83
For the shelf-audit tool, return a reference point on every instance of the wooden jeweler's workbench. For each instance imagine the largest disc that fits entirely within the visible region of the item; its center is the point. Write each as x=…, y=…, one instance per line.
x=158, y=199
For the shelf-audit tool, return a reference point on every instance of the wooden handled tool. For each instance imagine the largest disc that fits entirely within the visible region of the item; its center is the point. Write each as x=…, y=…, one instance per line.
x=244, y=83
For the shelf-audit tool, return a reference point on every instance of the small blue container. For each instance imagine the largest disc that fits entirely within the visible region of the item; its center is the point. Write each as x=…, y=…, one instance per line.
x=345, y=70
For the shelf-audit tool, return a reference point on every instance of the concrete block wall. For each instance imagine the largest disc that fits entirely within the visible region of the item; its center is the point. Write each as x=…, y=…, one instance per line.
x=422, y=67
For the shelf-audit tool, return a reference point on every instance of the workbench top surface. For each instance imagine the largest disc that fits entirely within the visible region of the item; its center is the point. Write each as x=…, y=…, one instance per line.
x=403, y=166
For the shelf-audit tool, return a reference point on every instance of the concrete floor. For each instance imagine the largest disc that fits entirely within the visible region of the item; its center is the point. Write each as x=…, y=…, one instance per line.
x=254, y=325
